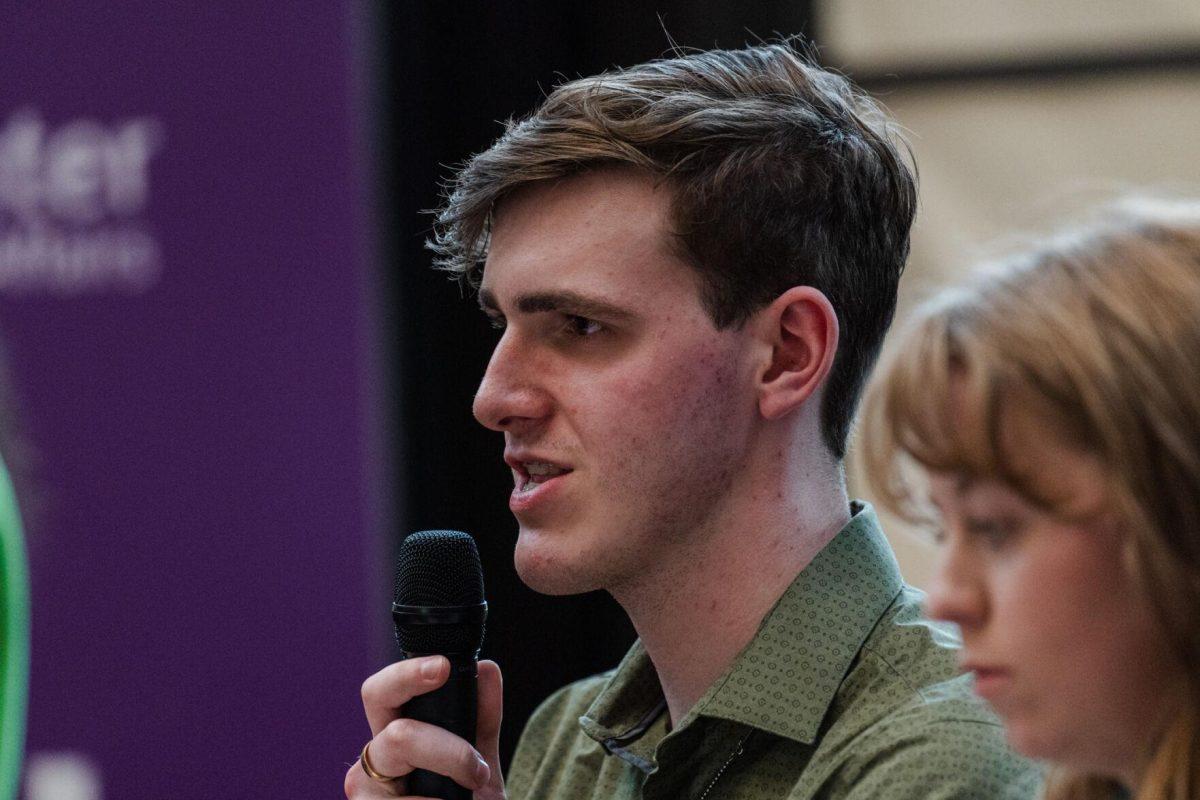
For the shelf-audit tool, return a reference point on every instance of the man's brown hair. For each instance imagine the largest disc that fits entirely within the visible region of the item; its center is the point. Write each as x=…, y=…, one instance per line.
x=781, y=174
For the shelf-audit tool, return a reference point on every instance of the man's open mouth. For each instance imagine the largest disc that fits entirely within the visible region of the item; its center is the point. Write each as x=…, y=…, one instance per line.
x=531, y=474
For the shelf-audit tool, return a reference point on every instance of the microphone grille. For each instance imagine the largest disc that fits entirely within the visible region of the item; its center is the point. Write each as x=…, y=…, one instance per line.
x=438, y=568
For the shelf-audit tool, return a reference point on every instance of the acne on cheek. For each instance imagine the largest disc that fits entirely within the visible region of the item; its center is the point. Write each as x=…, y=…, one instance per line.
x=680, y=388
x=669, y=383
x=707, y=362
x=717, y=370
x=715, y=374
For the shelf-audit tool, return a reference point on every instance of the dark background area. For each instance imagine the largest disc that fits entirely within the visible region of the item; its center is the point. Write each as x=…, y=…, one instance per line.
x=451, y=73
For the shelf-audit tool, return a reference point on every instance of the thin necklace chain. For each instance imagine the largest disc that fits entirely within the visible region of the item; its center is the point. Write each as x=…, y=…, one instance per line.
x=741, y=748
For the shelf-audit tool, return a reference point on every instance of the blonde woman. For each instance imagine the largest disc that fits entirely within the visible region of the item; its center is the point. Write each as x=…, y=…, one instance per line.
x=1052, y=411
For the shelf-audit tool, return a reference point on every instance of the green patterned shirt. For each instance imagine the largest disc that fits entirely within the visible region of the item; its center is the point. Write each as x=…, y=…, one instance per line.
x=844, y=692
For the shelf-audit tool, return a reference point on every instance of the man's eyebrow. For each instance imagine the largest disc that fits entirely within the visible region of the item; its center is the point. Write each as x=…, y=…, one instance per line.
x=571, y=302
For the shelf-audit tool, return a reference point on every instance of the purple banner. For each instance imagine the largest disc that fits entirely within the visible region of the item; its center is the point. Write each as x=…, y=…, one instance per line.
x=185, y=307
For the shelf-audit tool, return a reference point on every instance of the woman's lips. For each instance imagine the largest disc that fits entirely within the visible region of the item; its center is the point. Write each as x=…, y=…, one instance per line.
x=990, y=682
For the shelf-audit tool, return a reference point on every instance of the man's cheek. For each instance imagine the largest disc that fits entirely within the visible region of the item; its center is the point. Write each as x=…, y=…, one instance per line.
x=637, y=397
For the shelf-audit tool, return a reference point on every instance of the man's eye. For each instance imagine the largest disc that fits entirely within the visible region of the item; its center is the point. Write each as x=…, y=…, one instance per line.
x=581, y=326
x=498, y=322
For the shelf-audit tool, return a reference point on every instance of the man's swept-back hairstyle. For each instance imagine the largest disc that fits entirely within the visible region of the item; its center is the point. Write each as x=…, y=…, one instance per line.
x=781, y=174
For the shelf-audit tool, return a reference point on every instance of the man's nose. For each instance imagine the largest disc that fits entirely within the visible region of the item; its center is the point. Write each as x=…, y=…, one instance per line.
x=511, y=395
x=956, y=594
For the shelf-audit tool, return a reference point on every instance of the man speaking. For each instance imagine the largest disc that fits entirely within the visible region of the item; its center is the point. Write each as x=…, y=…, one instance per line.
x=693, y=263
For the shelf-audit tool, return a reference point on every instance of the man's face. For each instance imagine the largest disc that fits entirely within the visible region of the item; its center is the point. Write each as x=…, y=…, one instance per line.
x=625, y=412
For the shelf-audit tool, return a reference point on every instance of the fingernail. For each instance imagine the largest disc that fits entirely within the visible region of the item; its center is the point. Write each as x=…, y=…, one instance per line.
x=482, y=772
x=431, y=668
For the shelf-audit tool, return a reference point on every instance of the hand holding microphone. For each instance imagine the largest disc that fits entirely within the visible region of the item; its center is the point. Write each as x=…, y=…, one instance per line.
x=427, y=710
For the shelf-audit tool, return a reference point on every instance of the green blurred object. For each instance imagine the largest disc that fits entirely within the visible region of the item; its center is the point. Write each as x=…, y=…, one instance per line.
x=14, y=638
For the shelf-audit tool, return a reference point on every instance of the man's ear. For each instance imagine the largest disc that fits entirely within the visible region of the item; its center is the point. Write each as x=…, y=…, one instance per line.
x=802, y=330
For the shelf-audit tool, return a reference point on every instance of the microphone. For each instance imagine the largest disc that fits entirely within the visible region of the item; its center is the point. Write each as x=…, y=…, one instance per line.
x=439, y=610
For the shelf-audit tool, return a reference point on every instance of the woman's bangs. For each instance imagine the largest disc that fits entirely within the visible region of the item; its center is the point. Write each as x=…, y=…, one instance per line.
x=937, y=410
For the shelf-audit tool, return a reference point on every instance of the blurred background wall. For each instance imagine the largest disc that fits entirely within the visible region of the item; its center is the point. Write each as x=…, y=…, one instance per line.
x=188, y=312
x=1021, y=115
x=234, y=383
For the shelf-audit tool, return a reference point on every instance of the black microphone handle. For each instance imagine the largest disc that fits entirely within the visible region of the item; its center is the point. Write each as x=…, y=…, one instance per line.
x=455, y=707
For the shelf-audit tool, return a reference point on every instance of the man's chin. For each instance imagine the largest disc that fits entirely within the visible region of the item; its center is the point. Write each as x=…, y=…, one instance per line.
x=547, y=572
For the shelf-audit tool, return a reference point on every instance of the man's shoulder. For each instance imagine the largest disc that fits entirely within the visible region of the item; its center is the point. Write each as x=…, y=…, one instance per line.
x=908, y=665
x=907, y=675
x=906, y=721
x=933, y=757
x=947, y=747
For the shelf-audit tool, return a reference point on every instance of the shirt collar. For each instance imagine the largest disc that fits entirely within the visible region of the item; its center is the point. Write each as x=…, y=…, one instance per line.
x=629, y=704
x=784, y=681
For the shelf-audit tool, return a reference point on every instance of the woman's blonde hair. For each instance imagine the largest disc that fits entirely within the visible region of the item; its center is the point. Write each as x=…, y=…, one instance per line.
x=1097, y=331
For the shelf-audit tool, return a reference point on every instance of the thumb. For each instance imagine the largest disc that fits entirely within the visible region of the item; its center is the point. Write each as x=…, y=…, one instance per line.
x=491, y=710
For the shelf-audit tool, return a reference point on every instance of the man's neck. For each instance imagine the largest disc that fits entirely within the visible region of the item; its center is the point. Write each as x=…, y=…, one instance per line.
x=700, y=606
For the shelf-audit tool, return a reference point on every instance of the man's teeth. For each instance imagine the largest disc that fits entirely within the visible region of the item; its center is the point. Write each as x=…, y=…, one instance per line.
x=539, y=472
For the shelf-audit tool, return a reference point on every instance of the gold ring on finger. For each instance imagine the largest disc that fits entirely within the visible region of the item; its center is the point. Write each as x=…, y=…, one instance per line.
x=364, y=758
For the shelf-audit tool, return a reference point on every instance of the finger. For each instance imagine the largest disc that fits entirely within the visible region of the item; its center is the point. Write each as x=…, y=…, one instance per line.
x=387, y=690
x=358, y=785
x=407, y=744
x=491, y=711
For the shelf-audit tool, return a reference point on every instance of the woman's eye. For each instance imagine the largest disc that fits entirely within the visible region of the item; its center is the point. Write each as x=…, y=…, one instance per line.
x=936, y=535
x=993, y=533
